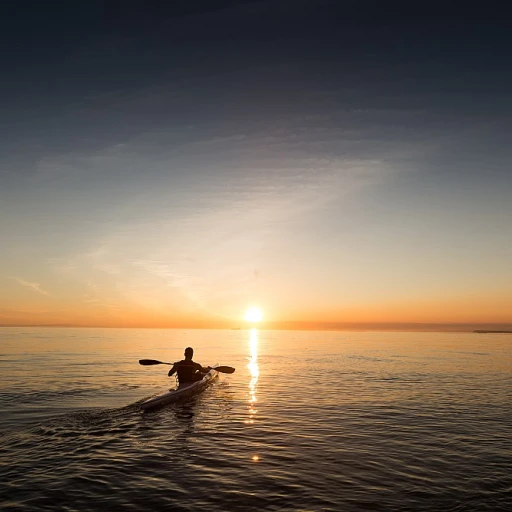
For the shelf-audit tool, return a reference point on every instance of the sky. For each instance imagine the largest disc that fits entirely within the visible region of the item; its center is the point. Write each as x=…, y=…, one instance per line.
x=170, y=164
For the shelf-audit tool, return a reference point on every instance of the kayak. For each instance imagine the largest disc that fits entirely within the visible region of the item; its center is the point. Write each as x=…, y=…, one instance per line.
x=183, y=391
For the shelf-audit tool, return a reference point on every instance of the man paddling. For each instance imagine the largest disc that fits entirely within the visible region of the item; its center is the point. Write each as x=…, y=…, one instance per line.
x=188, y=371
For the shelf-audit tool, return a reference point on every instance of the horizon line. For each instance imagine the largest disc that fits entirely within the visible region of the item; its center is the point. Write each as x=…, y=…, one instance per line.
x=302, y=326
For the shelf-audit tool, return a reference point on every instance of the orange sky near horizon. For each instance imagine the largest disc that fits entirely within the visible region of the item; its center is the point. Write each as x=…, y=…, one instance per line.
x=36, y=308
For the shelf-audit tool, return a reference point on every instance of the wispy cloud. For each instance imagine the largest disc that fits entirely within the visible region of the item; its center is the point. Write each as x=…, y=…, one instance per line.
x=29, y=284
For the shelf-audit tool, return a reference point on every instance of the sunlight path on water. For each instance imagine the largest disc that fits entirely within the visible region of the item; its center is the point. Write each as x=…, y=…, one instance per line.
x=254, y=371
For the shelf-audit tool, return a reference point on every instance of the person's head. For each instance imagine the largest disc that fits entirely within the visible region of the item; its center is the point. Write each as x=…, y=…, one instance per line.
x=189, y=353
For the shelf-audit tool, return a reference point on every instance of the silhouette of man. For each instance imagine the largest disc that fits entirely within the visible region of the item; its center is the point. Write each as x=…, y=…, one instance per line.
x=188, y=370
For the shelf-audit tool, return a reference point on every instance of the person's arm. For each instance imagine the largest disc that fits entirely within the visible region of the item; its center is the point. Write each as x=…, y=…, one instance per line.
x=202, y=369
x=173, y=370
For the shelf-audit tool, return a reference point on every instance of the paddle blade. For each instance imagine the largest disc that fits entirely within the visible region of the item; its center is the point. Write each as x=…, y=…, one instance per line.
x=224, y=369
x=147, y=362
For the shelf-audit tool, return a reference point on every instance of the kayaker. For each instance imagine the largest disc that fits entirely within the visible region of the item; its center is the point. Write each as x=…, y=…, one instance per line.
x=188, y=370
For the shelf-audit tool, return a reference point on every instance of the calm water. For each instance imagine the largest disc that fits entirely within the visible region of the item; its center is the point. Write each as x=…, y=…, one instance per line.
x=309, y=421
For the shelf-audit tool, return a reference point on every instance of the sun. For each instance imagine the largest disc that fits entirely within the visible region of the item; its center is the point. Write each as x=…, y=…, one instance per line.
x=253, y=314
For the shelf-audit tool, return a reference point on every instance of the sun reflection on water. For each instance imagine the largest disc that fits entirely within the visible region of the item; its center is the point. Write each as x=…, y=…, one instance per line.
x=254, y=372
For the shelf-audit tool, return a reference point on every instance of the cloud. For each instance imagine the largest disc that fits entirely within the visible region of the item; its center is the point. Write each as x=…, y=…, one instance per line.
x=35, y=286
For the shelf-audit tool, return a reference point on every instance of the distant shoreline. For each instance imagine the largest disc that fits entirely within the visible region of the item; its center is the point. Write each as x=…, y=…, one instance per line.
x=481, y=331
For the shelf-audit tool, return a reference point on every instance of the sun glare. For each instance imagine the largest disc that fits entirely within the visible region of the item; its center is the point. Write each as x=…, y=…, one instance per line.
x=253, y=314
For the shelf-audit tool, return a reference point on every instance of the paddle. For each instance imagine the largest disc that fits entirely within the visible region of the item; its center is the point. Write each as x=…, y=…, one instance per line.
x=149, y=362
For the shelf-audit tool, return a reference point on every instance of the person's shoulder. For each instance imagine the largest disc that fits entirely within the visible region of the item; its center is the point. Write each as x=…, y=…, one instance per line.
x=197, y=365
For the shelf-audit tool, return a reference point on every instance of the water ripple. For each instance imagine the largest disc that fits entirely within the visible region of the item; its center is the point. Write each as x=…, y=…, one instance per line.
x=374, y=426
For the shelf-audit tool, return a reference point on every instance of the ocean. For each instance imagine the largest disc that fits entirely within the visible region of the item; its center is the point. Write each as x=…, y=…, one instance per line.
x=310, y=421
